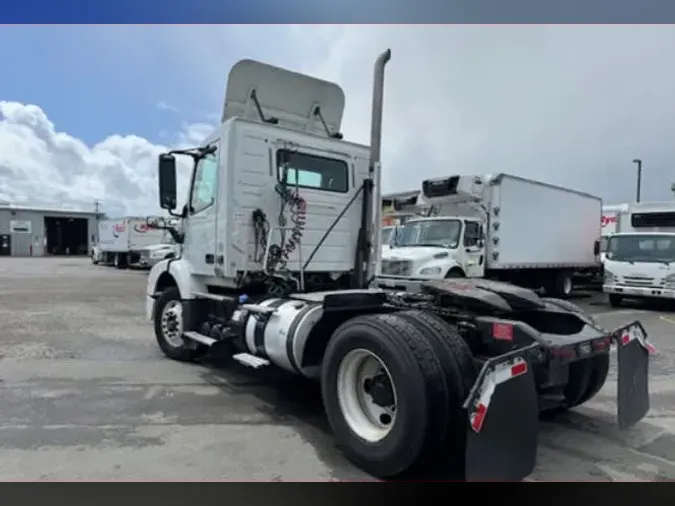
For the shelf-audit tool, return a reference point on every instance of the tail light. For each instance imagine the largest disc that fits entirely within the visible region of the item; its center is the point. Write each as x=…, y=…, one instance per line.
x=564, y=352
x=502, y=331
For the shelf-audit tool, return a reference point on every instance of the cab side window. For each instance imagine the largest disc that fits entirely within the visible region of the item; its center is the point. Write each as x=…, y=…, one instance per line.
x=205, y=182
x=472, y=234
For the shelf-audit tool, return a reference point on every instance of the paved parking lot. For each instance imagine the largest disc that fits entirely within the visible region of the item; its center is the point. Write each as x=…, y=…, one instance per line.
x=86, y=394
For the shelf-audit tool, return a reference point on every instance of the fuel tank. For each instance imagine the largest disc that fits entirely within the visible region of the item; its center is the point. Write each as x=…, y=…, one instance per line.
x=281, y=337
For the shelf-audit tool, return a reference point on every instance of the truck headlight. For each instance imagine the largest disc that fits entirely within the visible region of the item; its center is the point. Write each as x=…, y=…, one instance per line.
x=669, y=281
x=430, y=271
x=609, y=278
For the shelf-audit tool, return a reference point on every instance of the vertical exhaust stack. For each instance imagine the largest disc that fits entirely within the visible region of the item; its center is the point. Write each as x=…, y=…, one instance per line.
x=373, y=194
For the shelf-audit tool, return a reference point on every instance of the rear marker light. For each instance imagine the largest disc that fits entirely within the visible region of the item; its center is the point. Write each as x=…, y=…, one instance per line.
x=502, y=331
x=500, y=374
x=517, y=370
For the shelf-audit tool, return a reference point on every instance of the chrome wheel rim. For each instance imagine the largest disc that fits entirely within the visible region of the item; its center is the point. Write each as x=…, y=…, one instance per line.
x=367, y=395
x=172, y=323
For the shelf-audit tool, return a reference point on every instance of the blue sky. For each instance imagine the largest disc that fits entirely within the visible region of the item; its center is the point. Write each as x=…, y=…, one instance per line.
x=570, y=105
x=93, y=88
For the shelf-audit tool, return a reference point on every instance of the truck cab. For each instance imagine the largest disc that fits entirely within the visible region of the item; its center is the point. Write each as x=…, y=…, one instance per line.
x=433, y=248
x=640, y=265
x=448, y=242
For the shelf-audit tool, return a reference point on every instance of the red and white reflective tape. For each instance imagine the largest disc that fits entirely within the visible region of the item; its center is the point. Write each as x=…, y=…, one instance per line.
x=634, y=332
x=500, y=374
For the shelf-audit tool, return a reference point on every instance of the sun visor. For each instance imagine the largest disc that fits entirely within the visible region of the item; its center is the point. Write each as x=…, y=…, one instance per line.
x=289, y=97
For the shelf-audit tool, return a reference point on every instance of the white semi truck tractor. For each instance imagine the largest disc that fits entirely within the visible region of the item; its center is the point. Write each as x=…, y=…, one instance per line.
x=280, y=242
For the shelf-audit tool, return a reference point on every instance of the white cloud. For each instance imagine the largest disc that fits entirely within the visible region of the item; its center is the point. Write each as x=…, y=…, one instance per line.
x=40, y=165
x=163, y=106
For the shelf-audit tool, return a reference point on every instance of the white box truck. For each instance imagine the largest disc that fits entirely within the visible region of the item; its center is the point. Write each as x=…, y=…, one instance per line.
x=500, y=227
x=639, y=262
x=121, y=241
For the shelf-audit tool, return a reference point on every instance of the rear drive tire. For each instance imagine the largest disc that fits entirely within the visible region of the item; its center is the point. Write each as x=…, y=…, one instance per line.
x=459, y=372
x=615, y=300
x=120, y=261
x=410, y=375
x=168, y=321
x=561, y=285
x=586, y=379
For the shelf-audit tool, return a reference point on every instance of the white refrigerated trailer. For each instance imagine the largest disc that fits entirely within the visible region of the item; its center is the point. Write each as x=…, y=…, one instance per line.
x=497, y=226
x=120, y=241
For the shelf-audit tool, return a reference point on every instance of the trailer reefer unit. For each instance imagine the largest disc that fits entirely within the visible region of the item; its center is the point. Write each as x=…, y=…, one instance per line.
x=501, y=227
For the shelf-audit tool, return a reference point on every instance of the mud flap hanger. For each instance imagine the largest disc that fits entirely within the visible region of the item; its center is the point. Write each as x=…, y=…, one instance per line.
x=633, y=350
x=503, y=445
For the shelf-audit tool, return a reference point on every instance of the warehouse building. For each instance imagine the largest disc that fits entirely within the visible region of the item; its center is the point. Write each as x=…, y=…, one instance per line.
x=33, y=231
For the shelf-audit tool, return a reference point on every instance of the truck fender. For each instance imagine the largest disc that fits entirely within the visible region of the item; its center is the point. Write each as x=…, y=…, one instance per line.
x=173, y=272
x=454, y=268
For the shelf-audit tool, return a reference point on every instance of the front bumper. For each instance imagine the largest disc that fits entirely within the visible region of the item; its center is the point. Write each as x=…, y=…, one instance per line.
x=639, y=291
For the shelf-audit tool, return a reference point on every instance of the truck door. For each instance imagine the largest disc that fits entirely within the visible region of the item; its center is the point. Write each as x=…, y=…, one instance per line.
x=200, y=227
x=474, y=249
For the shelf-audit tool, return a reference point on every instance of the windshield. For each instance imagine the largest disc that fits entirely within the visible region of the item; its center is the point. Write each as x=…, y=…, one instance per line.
x=443, y=233
x=641, y=248
x=386, y=234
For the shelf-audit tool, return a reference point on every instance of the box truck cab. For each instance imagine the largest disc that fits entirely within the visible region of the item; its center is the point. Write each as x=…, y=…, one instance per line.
x=436, y=247
x=640, y=265
x=613, y=221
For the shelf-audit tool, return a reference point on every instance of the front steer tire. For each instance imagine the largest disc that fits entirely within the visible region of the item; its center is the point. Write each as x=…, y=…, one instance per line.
x=422, y=411
x=187, y=351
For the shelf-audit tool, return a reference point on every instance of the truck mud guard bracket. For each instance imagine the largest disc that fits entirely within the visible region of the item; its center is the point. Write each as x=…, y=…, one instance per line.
x=503, y=412
x=633, y=351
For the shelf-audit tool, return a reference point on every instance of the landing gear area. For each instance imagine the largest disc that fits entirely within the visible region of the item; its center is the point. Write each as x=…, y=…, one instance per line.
x=66, y=236
x=408, y=390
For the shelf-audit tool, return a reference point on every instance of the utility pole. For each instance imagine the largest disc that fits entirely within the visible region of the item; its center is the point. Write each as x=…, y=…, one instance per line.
x=639, y=178
x=97, y=205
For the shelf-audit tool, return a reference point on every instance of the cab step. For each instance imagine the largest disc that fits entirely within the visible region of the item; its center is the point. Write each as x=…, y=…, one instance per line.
x=200, y=338
x=251, y=360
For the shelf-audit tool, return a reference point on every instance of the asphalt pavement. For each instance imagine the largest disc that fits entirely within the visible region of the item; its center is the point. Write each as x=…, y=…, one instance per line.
x=87, y=395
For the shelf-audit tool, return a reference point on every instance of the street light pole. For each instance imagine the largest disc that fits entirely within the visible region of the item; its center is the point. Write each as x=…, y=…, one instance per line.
x=639, y=177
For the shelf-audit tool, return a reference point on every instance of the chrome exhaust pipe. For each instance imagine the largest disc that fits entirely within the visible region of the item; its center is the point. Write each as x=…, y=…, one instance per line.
x=374, y=221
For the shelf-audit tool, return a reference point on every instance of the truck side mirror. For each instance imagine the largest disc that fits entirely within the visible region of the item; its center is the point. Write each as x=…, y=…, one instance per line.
x=596, y=247
x=167, y=182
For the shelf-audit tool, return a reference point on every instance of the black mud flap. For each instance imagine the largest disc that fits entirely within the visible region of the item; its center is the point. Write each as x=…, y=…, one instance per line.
x=503, y=416
x=633, y=352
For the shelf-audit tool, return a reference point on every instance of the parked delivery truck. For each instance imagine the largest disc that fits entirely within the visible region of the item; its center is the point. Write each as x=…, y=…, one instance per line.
x=121, y=241
x=497, y=226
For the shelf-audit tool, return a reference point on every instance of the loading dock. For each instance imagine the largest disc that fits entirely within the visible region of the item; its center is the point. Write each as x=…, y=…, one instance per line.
x=66, y=235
